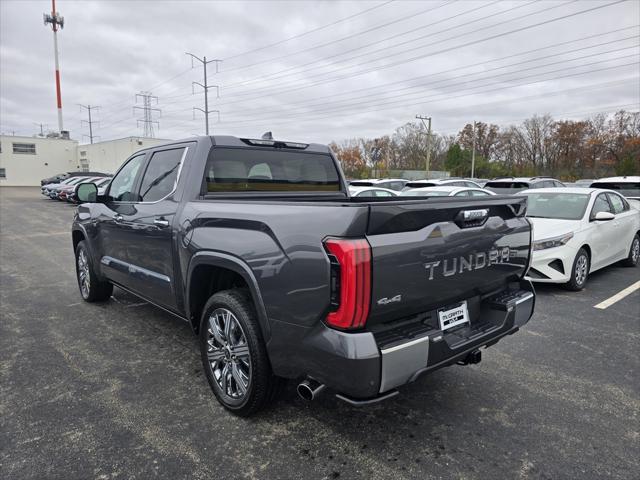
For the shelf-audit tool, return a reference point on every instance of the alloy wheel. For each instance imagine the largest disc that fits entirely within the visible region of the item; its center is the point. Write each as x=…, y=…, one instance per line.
x=582, y=266
x=83, y=274
x=635, y=250
x=228, y=353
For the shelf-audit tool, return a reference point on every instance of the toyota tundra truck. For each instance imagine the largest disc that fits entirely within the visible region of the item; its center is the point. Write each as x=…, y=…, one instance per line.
x=258, y=246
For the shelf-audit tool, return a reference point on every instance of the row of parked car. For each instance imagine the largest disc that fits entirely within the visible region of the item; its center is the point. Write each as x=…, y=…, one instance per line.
x=577, y=228
x=64, y=186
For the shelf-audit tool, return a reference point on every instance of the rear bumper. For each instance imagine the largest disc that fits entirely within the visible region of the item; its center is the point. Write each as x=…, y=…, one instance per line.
x=365, y=366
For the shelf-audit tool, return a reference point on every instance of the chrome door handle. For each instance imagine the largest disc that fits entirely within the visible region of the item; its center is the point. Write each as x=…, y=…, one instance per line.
x=160, y=222
x=117, y=218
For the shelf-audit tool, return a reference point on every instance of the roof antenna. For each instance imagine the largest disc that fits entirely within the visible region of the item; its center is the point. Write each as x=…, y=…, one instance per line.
x=267, y=136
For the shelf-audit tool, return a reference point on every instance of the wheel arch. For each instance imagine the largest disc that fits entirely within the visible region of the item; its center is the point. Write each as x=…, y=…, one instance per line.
x=211, y=272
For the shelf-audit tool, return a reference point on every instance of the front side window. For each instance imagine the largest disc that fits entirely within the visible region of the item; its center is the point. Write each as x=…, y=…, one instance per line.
x=617, y=202
x=601, y=205
x=382, y=193
x=463, y=193
x=29, y=148
x=256, y=170
x=160, y=177
x=123, y=183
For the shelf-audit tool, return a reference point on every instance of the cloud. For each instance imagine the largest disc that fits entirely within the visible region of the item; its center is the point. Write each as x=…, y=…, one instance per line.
x=498, y=62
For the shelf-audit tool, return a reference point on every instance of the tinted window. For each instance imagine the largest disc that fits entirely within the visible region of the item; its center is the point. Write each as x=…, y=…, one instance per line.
x=600, y=205
x=253, y=170
x=396, y=186
x=470, y=185
x=558, y=184
x=617, y=202
x=121, y=189
x=507, y=187
x=626, y=189
x=357, y=183
x=568, y=206
x=420, y=184
x=547, y=184
x=161, y=174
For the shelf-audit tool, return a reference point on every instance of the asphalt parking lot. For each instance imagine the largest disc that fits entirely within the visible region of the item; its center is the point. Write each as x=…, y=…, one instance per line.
x=116, y=390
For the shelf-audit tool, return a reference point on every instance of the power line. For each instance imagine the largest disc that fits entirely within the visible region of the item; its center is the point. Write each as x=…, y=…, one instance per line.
x=325, y=80
x=148, y=111
x=445, y=96
x=309, y=31
x=463, y=75
x=315, y=47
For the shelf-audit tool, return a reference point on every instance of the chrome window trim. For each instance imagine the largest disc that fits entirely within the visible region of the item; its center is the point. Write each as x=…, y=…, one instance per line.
x=175, y=184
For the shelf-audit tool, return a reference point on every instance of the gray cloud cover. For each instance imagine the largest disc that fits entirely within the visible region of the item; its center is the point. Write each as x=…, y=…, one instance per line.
x=454, y=60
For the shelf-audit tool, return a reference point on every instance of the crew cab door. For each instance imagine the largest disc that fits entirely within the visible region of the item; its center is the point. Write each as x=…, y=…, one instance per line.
x=150, y=251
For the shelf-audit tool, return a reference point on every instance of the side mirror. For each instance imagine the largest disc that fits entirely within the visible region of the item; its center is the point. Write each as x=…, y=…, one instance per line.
x=604, y=216
x=87, y=193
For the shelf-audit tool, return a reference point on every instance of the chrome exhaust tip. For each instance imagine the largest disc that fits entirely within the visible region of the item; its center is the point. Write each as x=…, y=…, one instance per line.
x=309, y=389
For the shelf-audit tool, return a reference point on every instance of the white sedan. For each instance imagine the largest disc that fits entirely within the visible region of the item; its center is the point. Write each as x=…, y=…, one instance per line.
x=446, y=191
x=579, y=230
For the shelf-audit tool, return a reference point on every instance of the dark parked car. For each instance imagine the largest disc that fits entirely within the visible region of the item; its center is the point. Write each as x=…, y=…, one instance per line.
x=258, y=246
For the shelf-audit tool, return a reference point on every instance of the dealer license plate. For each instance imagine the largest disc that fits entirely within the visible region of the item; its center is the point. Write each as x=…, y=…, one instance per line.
x=454, y=316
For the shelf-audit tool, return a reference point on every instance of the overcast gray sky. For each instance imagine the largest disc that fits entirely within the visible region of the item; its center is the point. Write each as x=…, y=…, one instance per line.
x=318, y=71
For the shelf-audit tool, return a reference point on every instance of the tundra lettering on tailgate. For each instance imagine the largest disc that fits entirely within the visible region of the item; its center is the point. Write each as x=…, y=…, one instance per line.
x=473, y=261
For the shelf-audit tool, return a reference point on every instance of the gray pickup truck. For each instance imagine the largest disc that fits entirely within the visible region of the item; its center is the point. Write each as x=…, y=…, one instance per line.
x=257, y=244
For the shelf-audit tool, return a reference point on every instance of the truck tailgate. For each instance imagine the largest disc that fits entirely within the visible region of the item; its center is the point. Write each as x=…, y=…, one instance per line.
x=432, y=253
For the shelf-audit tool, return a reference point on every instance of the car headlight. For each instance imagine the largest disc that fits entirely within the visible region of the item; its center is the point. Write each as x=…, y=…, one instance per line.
x=552, y=242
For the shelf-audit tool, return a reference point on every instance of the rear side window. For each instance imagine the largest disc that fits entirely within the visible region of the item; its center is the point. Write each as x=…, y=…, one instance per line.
x=626, y=189
x=617, y=202
x=160, y=177
x=256, y=170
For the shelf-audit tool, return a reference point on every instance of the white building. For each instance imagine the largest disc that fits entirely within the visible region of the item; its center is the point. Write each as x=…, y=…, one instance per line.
x=24, y=161
x=108, y=156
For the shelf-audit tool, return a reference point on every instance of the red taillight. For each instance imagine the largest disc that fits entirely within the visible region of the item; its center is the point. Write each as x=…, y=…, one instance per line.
x=350, y=283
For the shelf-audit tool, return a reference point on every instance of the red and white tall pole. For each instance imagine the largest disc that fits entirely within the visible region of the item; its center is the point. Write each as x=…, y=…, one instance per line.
x=56, y=21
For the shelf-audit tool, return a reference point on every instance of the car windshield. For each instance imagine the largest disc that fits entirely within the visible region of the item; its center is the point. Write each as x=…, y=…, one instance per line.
x=565, y=206
x=626, y=189
x=506, y=187
x=424, y=193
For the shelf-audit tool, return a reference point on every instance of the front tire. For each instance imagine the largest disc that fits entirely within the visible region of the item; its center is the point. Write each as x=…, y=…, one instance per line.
x=234, y=355
x=634, y=253
x=91, y=287
x=579, y=271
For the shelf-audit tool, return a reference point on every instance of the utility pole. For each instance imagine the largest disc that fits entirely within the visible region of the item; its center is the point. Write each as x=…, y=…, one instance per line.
x=56, y=21
x=473, y=151
x=41, y=128
x=428, y=126
x=148, y=120
x=89, y=122
x=205, y=86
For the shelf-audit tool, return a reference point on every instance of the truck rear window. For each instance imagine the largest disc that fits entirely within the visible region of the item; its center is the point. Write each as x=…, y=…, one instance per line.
x=258, y=170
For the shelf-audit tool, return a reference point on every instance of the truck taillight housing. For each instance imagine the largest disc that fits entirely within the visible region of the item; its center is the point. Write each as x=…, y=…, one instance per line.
x=350, y=282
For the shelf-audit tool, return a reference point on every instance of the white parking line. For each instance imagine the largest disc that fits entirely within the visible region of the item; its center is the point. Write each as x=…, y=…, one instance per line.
x=618, y=296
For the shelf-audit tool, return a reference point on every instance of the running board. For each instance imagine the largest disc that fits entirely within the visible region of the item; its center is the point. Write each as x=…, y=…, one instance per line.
x=367, y=401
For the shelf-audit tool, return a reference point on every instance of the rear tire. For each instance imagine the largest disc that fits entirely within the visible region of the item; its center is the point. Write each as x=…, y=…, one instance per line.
x=579, y=271
x=234, y=355
x=634, y=253
x=92, y=289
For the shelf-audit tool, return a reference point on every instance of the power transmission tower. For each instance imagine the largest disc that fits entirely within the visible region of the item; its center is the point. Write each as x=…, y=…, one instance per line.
x=148, y=119
x=423, y=118
x=205, y=86
x=89, y=122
